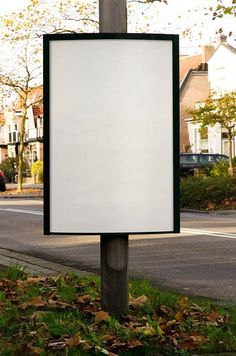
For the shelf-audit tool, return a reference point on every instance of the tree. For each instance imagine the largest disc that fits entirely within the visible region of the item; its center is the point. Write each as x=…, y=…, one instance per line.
x=19, y=35
x=218, y=110
x=224, y=8
x=22, y=33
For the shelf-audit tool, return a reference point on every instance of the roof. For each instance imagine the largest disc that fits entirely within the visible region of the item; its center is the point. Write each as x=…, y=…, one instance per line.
x=187, y=63
x=36, y=98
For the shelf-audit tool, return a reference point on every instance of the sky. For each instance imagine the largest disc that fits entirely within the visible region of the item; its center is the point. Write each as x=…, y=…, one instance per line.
x=161, y=14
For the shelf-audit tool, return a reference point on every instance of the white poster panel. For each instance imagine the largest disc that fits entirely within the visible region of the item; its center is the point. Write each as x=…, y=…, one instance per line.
x=111, y=136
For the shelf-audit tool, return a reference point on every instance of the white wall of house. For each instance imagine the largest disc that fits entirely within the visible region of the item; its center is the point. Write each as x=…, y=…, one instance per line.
x=222, y=69
x=222, y=79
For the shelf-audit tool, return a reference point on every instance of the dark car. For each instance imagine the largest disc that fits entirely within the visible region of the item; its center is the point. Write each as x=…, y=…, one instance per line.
x=190, y=161
x=2, y=182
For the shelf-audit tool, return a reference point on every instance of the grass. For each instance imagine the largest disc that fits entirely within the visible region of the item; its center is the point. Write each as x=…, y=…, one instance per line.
x=62, y=316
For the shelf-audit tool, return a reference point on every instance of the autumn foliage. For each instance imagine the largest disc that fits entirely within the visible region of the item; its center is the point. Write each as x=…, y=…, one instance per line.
x=62, y=316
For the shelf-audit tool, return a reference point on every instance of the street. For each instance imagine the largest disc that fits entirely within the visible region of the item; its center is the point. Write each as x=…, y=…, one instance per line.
x=201, y=260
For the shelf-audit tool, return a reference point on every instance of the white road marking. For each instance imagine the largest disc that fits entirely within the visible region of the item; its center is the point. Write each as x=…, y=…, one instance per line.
x=32, y=212
x=209, y=233
x=183, y=230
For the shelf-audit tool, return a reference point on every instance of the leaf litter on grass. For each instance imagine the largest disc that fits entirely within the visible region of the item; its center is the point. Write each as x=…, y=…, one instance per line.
x=62, y=315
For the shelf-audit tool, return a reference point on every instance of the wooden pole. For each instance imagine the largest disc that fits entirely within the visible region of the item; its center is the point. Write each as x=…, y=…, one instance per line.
x=114, y=248
x=112, y=16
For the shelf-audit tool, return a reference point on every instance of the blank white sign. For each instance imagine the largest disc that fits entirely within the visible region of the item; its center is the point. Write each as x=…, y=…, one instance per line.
x=111, y=136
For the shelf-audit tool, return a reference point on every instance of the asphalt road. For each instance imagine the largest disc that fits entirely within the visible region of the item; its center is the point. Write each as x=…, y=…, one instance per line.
x=201, y=260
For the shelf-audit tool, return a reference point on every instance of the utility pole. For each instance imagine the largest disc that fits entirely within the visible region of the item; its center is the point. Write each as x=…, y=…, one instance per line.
x=114, y=247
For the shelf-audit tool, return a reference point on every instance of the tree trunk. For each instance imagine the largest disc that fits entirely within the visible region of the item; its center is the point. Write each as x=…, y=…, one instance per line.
x=230, y=151
x=21, y=150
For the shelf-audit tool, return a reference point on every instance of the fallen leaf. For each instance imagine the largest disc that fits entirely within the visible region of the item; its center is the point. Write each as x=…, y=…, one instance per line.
x=146, y=330
x=37, y=302
x=56, y=345
x=179, y=316
x=194, y=341
x=138, y=302
x=74, y=340
x=101, y=316
x=183, y=303
x=134, y=343
x=34, y=350
x=83, y=298
x=108, y=339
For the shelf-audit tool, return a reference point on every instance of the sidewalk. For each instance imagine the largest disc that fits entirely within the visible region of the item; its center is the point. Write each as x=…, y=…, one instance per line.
x=34, y=265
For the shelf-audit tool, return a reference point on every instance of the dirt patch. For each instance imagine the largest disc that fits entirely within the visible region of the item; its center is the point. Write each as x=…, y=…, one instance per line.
x=25, y=191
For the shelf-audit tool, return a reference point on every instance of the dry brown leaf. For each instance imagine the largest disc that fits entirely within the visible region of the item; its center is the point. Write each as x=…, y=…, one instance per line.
x=83, y=298
x=138, y=302
x=34, y=350
x=35, y=301
x=194, y=341
x=146, y=330
x=108, y=338
x=171, y=323
x=215, y=316
x=30, y=280
x=2, y=304
x=179, y=316
x=163, y=310
x=90, y=308
x=101, y=316
x=74, y=340
x=57, y=345
x=134, y=343
x=183, y=303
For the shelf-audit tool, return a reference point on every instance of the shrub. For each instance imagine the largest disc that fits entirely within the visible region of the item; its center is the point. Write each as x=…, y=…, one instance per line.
x=8, y=166
x=234, y=161
x=208, y=193
x=219, y=169
x=37, y=171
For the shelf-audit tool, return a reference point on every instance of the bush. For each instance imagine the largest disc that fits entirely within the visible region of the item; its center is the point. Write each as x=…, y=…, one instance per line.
x=8, y=166
x=208, y=193
x=37, y=171
x=220, y=169
x=234, y=161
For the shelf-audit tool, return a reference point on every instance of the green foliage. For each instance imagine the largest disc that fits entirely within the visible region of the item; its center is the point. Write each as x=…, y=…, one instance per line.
x=221, y=9
x=13, y=273
x=37, y=170
x=218, y=192
x=234, y=161
x=8, y=166
x=220, y=169
x=34, y=312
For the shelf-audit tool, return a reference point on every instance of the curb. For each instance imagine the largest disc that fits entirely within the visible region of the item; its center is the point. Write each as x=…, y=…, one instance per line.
x=35, y=265
x=13, y=196
x=210, y=212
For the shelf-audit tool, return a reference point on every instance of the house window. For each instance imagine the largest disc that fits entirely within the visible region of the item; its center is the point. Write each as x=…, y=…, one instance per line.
x=15, y=127
x=203, y=133
x=9, y=128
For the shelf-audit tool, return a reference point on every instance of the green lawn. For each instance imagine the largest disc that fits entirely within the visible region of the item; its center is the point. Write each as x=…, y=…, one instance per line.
x=62, y=316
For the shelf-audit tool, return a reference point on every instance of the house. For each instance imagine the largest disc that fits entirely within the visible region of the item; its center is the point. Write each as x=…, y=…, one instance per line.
x=194, y=87
x=222, y=79
x=10, y=130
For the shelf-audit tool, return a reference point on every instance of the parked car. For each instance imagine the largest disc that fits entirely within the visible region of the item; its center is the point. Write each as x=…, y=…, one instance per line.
x=2, y=182
x=190, y=161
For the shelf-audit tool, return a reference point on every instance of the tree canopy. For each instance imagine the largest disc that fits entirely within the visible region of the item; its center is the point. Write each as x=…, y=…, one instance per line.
x=218, y=110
